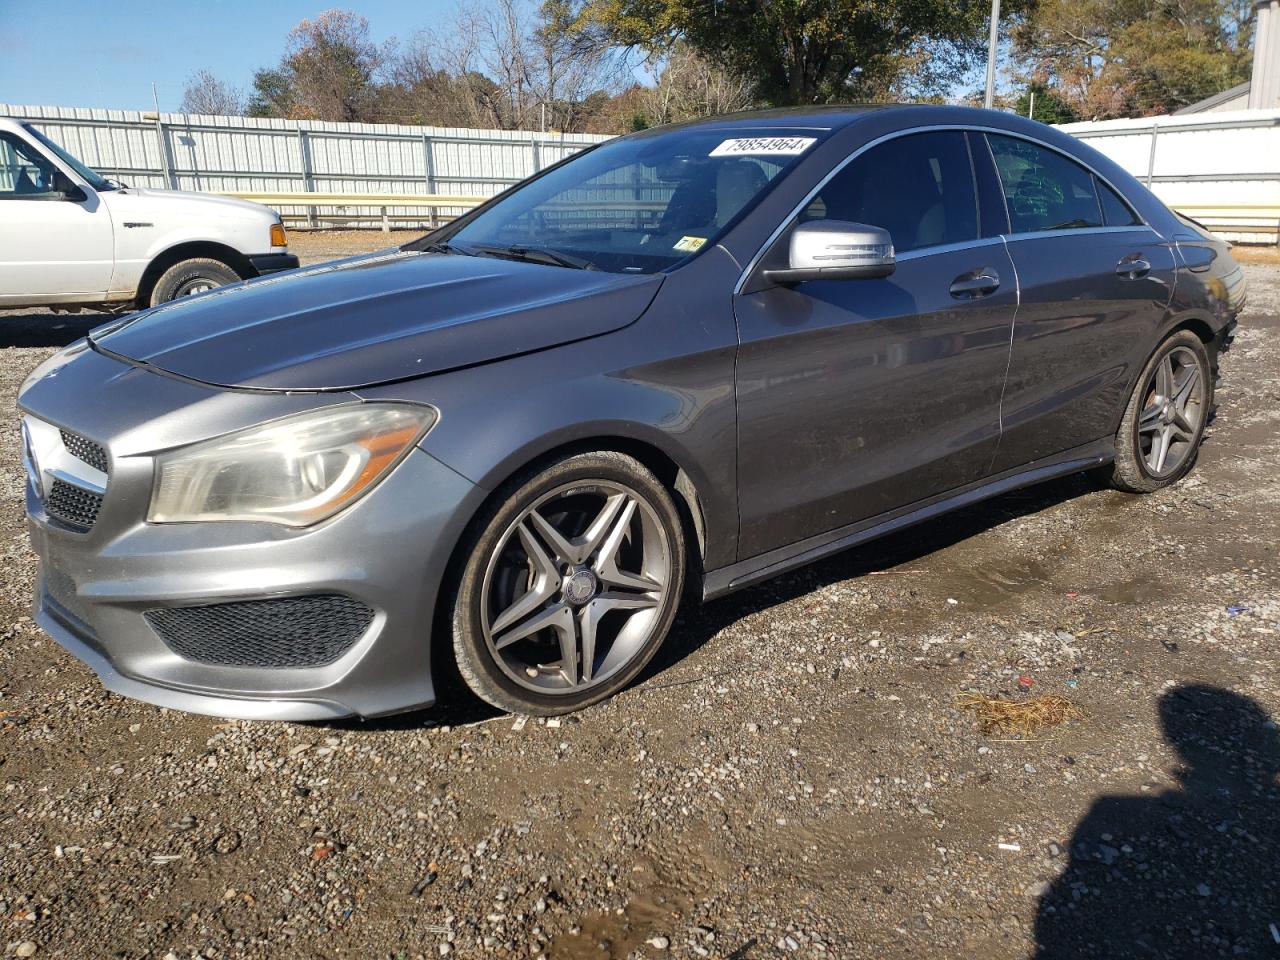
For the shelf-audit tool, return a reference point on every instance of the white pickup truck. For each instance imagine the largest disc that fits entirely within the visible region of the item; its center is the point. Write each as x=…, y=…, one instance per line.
x=70, y=238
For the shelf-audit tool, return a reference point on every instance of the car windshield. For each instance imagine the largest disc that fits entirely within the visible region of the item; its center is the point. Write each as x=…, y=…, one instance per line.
x=90, y=176
x=635, y=205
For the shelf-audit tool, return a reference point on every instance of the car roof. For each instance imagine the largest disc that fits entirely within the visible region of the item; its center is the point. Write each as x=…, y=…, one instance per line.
x=838, y=116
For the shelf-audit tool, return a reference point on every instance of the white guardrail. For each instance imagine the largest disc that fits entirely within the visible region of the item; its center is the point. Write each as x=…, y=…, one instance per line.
x=1222, y=169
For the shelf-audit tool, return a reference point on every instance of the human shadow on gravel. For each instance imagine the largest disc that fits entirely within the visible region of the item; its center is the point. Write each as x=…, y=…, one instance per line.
x=1192, y=872
x=47, y=329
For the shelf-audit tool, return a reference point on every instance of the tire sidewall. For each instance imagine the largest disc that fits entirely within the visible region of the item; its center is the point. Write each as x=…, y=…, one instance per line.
x=1131, y=469
x=475, y=661
x=183, y=272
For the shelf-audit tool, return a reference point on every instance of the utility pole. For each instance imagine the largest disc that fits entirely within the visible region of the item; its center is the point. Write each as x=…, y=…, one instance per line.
x=991, y=54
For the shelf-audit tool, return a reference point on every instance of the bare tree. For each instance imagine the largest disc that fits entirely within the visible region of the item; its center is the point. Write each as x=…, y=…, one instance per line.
x=689, y=86
x=327, y=73
x=205, y=93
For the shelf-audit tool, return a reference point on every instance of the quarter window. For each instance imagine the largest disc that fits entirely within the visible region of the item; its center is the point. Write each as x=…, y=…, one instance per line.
x=1115, y=211
x=919, y=187
x=1043, y=189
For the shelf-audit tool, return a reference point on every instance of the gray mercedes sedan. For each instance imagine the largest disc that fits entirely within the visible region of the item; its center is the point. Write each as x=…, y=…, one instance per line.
x=668, y=367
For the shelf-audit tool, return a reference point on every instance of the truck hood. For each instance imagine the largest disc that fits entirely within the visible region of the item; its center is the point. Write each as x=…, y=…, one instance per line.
x=375, y=319
x=208, y=202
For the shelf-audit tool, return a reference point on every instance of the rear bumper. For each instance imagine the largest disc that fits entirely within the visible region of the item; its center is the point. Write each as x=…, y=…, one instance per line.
x=266, y=263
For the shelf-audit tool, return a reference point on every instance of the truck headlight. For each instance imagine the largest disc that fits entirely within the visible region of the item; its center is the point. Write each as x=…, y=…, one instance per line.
x=278, y=238
x=296, y=471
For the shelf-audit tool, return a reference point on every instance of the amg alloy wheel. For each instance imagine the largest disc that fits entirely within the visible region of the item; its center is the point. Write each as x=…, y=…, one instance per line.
x=1164, y=422
x=571, y=587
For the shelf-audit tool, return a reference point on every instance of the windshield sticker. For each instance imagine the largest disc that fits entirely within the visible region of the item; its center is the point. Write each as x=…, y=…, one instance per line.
x=690, y=244
x=764, y=146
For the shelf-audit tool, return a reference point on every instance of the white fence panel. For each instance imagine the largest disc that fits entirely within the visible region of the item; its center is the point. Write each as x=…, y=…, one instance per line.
x=1222, y=169
x=249, y=154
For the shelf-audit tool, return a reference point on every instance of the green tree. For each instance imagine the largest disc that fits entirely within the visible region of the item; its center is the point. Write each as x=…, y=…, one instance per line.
x=1041, y=102
x=811, y=51
x=1114, y=58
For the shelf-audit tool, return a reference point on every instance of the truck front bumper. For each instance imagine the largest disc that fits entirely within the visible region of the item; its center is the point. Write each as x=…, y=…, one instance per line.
x=266, y=263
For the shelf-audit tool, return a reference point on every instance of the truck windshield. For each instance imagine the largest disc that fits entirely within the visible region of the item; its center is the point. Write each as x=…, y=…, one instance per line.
x=91, y=177
x=635, y=205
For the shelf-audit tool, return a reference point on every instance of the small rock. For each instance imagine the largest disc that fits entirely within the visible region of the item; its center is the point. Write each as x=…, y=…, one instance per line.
x=658, y=943
x=25, y=949
x=1029, y=768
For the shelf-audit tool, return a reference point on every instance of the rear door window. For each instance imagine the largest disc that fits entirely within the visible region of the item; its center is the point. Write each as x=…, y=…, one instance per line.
x=1043, y=189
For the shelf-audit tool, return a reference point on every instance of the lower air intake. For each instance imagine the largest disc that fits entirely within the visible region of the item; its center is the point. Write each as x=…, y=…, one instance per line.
x=310, y=631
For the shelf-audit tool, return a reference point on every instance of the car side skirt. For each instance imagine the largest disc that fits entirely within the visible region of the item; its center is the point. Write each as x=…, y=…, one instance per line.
x=745, y=573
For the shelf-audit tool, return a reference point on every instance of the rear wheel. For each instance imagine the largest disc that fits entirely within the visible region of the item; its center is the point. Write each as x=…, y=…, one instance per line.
x=570, y=585
x=191, y=276
x=1164, y=422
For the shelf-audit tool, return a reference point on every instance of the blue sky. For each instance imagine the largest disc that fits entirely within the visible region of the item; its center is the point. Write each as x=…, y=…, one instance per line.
x=78, y=53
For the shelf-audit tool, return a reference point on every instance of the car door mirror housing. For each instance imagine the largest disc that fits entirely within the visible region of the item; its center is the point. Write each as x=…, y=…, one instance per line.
x=835, y=250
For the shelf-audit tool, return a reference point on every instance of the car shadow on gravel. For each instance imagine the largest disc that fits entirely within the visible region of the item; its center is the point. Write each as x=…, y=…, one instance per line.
x=46, y=329
x=699, y=624
x=1187, y=873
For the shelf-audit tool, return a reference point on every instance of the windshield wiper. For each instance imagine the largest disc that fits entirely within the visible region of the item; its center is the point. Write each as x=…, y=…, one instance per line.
x=439, y=246
x=536, y=255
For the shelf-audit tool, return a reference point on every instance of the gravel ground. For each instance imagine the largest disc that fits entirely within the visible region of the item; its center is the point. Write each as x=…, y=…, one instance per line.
x=794, y=777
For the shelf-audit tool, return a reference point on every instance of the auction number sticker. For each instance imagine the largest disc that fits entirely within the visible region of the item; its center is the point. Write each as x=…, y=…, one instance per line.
x=764, y=146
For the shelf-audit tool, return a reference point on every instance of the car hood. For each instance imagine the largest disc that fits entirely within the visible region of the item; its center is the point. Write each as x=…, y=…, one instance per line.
x=375, y=319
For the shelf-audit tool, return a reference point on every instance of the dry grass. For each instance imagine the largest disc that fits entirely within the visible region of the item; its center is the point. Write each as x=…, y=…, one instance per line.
x=1256, y=254
x=1020, y=717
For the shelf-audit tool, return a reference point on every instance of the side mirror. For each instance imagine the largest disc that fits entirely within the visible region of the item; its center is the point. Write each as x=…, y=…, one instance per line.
x=69, y=189
x=834, y=250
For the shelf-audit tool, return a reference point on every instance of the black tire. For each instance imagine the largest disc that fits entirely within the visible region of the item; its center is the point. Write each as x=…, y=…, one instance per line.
x=188, y=276
x=491, y=533
x=1130, y=470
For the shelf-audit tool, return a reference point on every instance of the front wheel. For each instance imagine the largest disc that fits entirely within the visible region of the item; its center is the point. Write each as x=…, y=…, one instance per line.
x=187, y=277
x=1164, y=422
x=570, y=585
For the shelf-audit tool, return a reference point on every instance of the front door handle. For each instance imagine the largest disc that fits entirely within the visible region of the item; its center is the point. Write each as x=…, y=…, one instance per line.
x=1134, y=269
x=971, y=286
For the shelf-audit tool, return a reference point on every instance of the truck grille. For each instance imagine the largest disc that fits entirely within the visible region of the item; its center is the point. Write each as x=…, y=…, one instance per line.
x=85, y=450
x=307, y=631
x=72, y=505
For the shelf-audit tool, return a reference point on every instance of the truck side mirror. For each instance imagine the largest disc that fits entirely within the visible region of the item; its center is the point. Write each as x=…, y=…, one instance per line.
x=67, y=188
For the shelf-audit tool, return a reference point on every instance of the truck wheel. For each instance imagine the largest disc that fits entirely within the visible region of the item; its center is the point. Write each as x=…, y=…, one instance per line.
x=191, y=276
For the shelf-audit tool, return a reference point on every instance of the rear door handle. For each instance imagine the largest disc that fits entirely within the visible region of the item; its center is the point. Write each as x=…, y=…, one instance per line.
x=971, y=286
x=1134, y=269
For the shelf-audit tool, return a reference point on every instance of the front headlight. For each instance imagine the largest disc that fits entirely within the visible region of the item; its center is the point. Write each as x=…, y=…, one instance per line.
x=296, y=471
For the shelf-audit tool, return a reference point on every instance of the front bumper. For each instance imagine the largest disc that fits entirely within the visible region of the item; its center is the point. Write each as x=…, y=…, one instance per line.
x=266, y=263
x=389, y=551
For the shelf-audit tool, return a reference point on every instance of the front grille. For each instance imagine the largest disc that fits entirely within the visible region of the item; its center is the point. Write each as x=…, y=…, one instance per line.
x=309, y=631
x=85, y=450
x=72, y=505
